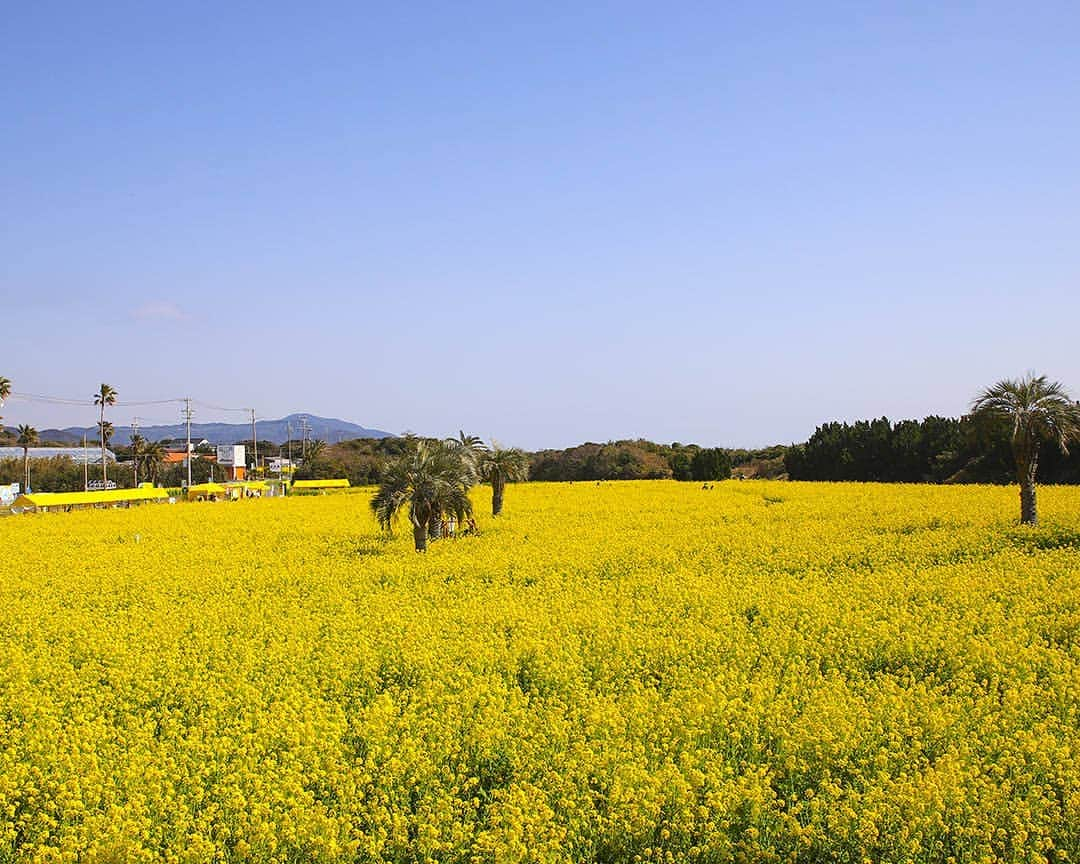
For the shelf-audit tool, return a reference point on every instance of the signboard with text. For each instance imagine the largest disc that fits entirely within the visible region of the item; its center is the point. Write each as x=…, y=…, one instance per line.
x=230, y=454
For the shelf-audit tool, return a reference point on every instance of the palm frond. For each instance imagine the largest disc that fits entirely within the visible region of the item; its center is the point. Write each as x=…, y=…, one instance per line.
x=106, y=395
x=1037, y=408
x=504, y=464
x=28, y=436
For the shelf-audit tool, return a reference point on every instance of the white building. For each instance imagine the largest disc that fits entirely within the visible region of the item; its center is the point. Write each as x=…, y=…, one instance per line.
x=89, y=456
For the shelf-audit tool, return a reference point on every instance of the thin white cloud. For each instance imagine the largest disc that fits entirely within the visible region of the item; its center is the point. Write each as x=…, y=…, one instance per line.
x=160, y=310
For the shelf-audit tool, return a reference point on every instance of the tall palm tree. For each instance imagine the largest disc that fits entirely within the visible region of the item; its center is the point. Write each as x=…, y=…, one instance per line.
x=106, y=395
x=28, y=437
x=429, y=478
x=1039, y=410
x=499, y=466
x=5, y=391
x=137, y=442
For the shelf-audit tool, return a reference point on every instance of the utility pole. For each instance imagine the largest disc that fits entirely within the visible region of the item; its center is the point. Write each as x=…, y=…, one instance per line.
x=187, y=420
x=304, y=429
x=134, y=453
x=85, y=466
x=254, y=441
x=288, y=427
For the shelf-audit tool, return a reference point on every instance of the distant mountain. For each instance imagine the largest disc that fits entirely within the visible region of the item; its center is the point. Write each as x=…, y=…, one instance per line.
x=276, y=431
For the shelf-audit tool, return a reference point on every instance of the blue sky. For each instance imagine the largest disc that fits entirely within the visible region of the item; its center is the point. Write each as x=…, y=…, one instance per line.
x=722, y=223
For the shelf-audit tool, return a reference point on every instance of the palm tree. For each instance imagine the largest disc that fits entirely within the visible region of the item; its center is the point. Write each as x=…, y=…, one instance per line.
x=137, y=442
x=430, y=479
x=105, y=396
x=28, y=437
x=1039, y=410
x=153, y=457
x=5, y=391
x=498, y=466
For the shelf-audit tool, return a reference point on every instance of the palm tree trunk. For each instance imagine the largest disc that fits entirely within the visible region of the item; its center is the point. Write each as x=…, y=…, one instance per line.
x=26, y=469
x=434, y=526
x=419, y=533
x=101, y=433
x=498, y=487
x=1029, y=513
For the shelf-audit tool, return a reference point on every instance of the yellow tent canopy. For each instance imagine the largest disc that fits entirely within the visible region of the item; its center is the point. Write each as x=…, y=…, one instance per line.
x=43, y=500
x=340, y=483
x=205, y=489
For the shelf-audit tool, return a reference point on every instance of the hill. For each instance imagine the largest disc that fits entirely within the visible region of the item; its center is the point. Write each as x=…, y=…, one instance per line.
x=327, y=428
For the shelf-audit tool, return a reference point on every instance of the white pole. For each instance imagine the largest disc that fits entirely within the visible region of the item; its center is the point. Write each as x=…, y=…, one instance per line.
x=187, y=418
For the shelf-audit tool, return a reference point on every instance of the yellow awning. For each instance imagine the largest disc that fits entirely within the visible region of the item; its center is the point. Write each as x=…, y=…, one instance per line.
x=205, y=489
x=340, y=483
x=106, y=496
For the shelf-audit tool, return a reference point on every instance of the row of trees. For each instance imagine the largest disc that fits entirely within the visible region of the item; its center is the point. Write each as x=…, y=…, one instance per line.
x=362, y=461
x=632, y=460
x=976, y=448
x=936, y=449
x=431, y=480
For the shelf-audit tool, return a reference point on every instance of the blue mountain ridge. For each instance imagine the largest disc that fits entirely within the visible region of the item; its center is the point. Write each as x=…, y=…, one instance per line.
x=327, y=429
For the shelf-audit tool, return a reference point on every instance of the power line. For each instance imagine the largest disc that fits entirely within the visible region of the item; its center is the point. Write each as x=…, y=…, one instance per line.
x=51, y=400
x=87, y=403
x=156, y=421
x=220, y=407
x=186, y=411
x=135, y=403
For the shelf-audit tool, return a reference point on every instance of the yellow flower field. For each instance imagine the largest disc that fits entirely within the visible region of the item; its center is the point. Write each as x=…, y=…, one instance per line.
x=626, y=672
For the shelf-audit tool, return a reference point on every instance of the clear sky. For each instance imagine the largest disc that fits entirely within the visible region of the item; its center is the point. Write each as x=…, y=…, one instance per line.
x=547, y=223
